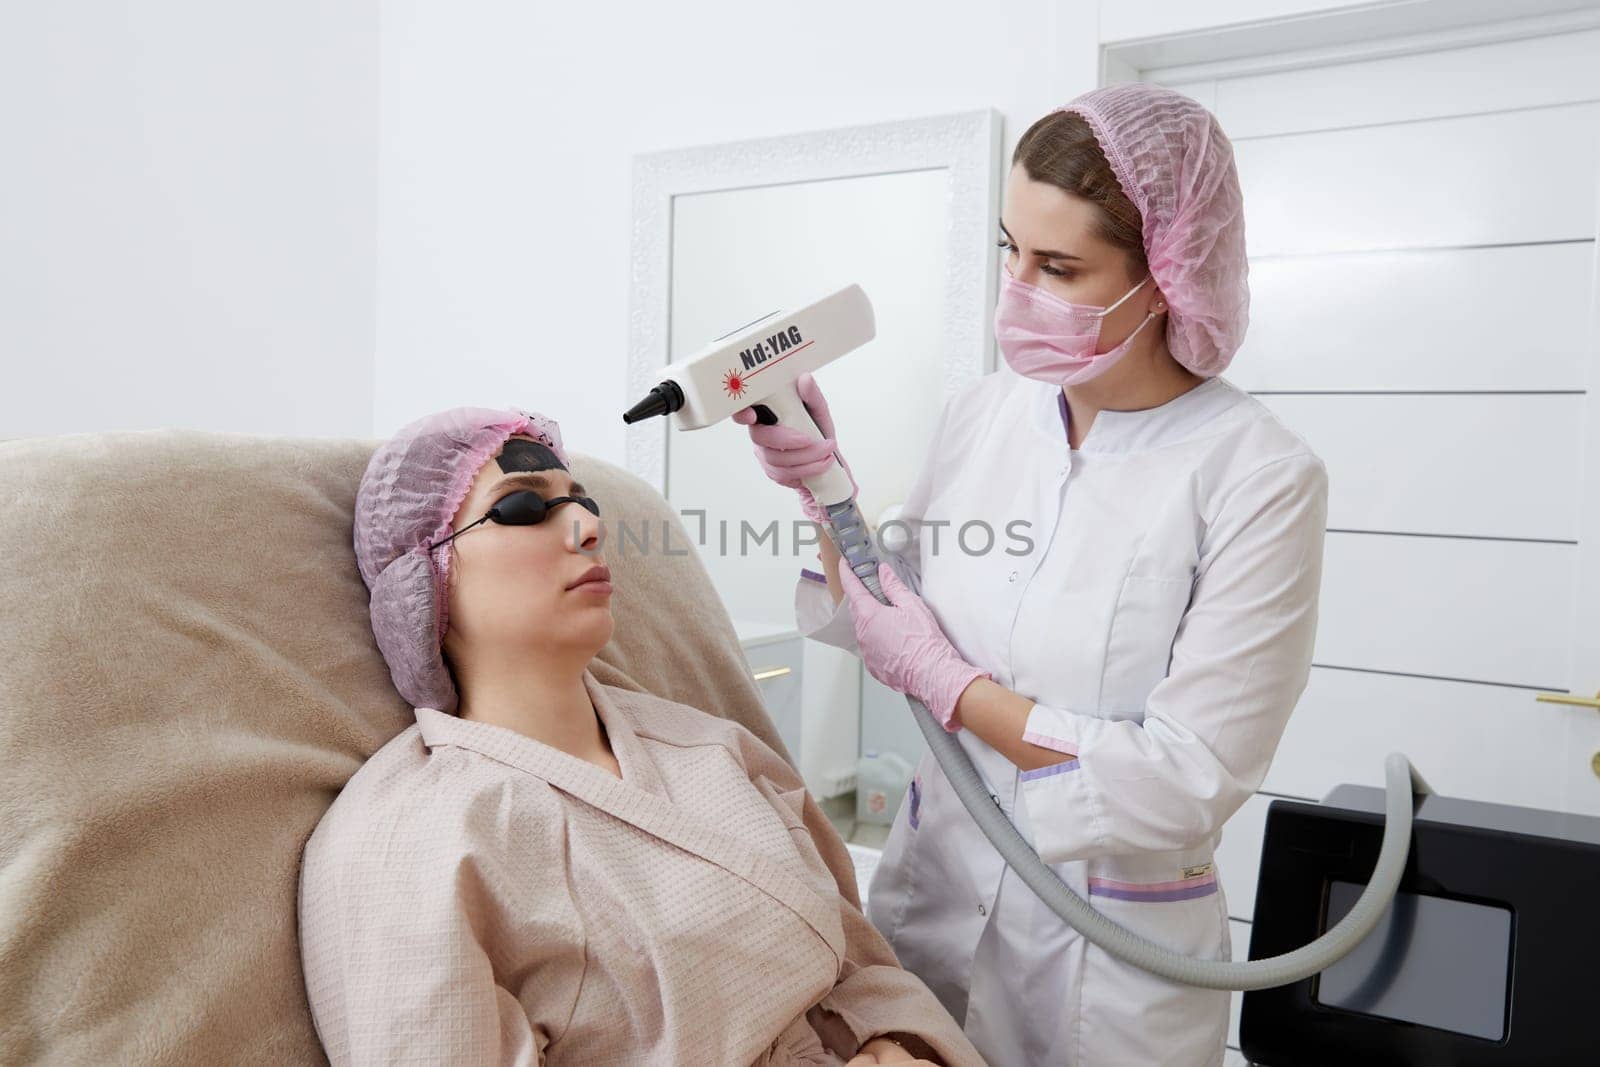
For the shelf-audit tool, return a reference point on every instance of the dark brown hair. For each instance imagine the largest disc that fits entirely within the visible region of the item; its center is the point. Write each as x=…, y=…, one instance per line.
x=1060, y=149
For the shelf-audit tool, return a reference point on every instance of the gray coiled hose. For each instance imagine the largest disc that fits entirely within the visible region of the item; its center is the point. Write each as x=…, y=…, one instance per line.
x=854, y=541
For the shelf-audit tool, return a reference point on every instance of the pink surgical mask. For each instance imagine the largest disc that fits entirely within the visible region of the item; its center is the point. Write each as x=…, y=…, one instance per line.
x=1045, y=337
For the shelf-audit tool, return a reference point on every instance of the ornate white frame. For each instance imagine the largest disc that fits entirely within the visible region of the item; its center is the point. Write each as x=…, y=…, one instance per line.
x=966, y=144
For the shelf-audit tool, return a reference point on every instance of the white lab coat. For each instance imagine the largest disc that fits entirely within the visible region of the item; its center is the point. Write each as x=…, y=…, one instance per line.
x=1159, y=606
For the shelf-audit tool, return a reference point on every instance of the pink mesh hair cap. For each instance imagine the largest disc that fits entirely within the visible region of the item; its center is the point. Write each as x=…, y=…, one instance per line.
x=408, y=497
x=1176, y=165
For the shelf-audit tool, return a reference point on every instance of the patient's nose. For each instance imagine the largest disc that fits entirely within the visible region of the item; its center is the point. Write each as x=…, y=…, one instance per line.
x=583, y=529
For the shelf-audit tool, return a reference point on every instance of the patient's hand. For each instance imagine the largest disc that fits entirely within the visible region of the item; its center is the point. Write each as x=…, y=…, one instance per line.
x=881, y=1050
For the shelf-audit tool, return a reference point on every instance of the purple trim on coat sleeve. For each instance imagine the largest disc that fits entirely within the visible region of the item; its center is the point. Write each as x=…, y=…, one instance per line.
x=1054, y=768
x=916, y=803
x=813, y=575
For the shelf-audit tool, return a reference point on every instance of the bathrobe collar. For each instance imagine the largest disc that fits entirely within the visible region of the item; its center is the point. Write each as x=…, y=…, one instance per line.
x=489, y=739
x=638, y=798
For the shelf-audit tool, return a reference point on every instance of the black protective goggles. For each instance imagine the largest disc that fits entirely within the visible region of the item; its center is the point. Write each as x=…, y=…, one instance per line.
x=523, y=508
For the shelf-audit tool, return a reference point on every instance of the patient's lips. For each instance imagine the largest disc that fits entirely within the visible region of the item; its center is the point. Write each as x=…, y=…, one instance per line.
x=596, y=580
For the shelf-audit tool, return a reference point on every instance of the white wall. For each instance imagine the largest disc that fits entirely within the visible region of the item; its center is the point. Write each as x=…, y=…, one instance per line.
x=187, y=216
x=1130, y=20
x=507, y=131
x=507, y=135
x=328, y=218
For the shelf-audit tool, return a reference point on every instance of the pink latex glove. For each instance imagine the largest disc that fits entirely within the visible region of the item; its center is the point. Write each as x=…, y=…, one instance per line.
x=904, y=647
x=789, y=455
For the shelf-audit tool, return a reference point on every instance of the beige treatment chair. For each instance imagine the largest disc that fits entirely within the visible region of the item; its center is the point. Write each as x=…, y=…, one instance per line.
x=187, y=678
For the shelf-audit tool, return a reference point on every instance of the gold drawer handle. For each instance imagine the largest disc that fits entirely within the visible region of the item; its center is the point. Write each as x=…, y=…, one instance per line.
x=1582, y=702
x=772, y=672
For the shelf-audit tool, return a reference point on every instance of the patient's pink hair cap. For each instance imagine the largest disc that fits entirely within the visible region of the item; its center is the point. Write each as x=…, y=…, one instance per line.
x=408, y=497
x=1176, y=165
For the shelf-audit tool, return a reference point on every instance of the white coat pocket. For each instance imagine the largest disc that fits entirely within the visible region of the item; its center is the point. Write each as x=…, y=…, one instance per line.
x=1129, y=1015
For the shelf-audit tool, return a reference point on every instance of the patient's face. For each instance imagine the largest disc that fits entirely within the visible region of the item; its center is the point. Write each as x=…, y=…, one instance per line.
x=509, y=585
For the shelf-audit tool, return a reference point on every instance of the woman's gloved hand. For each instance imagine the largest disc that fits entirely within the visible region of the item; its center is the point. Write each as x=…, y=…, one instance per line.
x=790, y=455
x=904, y=647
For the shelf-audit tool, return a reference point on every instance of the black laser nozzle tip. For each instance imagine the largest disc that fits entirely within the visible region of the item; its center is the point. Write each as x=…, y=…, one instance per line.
x=662, y=400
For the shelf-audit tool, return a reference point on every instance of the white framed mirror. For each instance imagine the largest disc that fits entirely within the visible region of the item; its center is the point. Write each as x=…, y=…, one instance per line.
x=724, y=234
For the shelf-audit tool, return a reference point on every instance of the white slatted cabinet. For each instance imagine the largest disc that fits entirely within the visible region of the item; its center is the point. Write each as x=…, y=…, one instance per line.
x=1421, y=229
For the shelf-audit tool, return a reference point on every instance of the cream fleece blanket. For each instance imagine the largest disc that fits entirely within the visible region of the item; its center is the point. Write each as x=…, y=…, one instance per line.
x=187, y=678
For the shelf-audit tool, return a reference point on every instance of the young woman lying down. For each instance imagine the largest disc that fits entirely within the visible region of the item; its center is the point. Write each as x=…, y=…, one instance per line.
x=544, y=869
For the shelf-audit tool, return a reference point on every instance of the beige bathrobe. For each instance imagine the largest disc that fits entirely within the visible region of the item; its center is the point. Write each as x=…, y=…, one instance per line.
x=475, y=896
